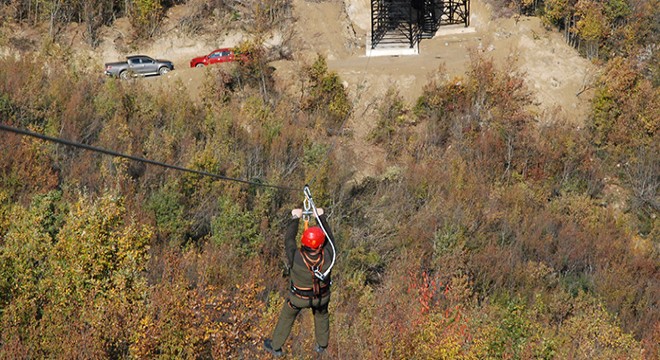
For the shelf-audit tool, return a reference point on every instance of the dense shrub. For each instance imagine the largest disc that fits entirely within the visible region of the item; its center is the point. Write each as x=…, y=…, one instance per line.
x=492, y=233
x=392, y=118
x=84, y=283
x=624, y=128
x=325, y=95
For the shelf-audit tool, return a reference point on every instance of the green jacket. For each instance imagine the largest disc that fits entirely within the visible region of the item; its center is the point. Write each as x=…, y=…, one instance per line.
x=301, y=276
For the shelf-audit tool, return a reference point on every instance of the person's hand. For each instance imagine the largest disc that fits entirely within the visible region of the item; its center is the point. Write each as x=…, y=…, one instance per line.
x=296, y=213
x=319, y=211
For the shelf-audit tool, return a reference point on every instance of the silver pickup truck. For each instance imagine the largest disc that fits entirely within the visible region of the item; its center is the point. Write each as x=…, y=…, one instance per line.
x=138, y=65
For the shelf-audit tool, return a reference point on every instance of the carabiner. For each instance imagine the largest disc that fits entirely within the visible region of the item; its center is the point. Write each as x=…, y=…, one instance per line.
x=307, y=212
x=308, y=193
x=307, y=206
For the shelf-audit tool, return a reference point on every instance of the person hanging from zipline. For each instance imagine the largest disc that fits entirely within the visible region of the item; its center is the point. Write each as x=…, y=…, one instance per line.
x=310, y=266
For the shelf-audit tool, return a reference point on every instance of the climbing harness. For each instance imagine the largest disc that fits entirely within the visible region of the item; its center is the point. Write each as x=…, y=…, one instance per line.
x=309, y=209
x=313, y=260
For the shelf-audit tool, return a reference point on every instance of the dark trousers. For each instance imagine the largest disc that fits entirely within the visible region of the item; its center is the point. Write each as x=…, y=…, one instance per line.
x=288, y=315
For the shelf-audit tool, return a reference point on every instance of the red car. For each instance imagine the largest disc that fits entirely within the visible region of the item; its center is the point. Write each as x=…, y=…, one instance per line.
x=217, y=56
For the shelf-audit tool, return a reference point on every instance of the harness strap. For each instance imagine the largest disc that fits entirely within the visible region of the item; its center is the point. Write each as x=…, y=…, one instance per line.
x=314, y=265
x=308, y=293
x=292, y=306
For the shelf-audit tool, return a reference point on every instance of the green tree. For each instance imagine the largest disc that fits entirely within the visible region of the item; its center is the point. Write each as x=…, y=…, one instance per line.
x=592, y=25
x=145, y=16
x=85, y=284
x=557, y=12
x=325, y=94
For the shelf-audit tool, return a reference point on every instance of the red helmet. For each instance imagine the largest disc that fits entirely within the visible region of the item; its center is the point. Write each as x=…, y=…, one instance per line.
x=313, y=237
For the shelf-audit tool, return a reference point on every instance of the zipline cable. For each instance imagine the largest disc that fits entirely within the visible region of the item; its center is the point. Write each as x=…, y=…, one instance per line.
x=135, y=158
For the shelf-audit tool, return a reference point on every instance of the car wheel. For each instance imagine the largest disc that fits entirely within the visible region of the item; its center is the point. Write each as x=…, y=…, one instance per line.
x=199, y=65
x=164, y=70
x=123, y=75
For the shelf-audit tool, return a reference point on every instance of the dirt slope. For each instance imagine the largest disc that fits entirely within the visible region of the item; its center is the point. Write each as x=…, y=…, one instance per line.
x=339, y=29
x=553, y=70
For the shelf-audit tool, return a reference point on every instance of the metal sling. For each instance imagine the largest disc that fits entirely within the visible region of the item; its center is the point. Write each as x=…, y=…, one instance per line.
x=310, y=209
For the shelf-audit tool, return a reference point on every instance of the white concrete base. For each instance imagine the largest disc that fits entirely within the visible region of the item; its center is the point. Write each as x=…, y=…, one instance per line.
x=406, y=50
x=402, y=49
x=454, y=30
x=383, y=50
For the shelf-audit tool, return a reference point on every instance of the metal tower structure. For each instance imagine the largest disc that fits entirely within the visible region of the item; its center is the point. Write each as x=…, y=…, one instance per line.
x=392, y=22
x=399, y=22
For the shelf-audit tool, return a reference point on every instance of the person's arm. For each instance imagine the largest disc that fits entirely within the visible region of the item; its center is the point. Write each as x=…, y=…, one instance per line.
x=290, y=235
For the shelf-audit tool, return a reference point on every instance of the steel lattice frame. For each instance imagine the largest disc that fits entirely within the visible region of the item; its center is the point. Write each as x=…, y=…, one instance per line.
x=407, y=21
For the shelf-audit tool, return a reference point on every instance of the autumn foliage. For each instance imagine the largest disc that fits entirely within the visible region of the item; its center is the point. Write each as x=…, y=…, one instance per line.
x=495, y=232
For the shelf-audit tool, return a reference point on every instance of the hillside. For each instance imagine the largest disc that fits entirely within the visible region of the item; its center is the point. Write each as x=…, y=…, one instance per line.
x=494, y=197
x=556, y=74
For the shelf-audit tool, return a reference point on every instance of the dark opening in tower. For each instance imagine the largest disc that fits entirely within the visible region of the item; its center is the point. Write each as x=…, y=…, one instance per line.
x=406, y=22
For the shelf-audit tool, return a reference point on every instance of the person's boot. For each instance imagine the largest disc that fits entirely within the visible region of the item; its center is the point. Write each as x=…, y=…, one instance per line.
x=319, y=349
x=268, y=345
